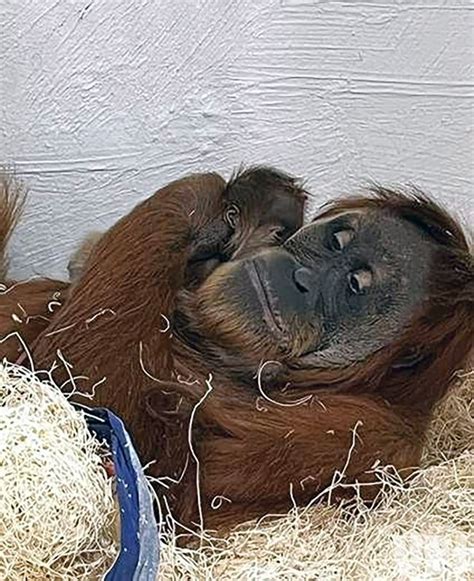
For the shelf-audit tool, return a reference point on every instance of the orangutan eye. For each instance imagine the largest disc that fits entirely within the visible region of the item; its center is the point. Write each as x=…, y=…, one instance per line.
x=232, y=215
x=278, y=234
x=339, y=240
x=359, y=281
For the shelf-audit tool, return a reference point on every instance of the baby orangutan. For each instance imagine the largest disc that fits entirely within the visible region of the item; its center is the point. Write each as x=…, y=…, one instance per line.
x=246, y=368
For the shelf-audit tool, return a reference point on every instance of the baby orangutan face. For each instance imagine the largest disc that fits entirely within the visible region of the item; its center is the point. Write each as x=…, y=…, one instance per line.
x=336, y=291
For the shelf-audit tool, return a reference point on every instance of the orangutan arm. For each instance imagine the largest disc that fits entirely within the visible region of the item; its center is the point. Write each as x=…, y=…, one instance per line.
x=270, y=459
x=124, y=301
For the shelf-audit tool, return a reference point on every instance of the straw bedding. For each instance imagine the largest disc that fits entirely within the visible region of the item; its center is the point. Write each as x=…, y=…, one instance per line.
x=424, y=531
x=57, y=510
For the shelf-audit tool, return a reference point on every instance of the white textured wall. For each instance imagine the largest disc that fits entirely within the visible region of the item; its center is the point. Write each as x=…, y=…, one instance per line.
x=102, y=101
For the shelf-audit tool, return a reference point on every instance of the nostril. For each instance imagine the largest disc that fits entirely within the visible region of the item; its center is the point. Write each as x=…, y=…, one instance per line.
x=303, y=278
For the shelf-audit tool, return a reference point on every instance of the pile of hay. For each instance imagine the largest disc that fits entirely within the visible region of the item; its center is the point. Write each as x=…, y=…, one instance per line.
x=423, y=532
x=57, y=509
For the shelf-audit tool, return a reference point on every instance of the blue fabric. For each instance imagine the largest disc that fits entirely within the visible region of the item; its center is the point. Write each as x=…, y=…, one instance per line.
x=138, y=559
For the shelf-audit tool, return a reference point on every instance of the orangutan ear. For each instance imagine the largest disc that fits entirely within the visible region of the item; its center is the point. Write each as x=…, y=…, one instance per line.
x=231, y=215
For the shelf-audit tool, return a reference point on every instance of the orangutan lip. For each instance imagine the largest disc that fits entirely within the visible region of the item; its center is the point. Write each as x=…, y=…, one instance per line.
x=263, y=296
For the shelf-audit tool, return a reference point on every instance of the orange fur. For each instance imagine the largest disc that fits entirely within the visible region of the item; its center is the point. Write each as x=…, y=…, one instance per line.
x=26, y=309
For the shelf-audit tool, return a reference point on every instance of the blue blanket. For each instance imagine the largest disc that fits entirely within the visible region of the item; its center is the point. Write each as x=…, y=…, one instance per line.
x=138, y=558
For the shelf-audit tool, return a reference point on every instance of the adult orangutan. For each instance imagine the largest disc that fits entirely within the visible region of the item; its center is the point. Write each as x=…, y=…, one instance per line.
x=247, y=386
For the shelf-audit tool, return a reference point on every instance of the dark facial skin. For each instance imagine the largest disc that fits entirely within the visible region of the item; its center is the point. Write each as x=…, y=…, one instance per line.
x=338, y=290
